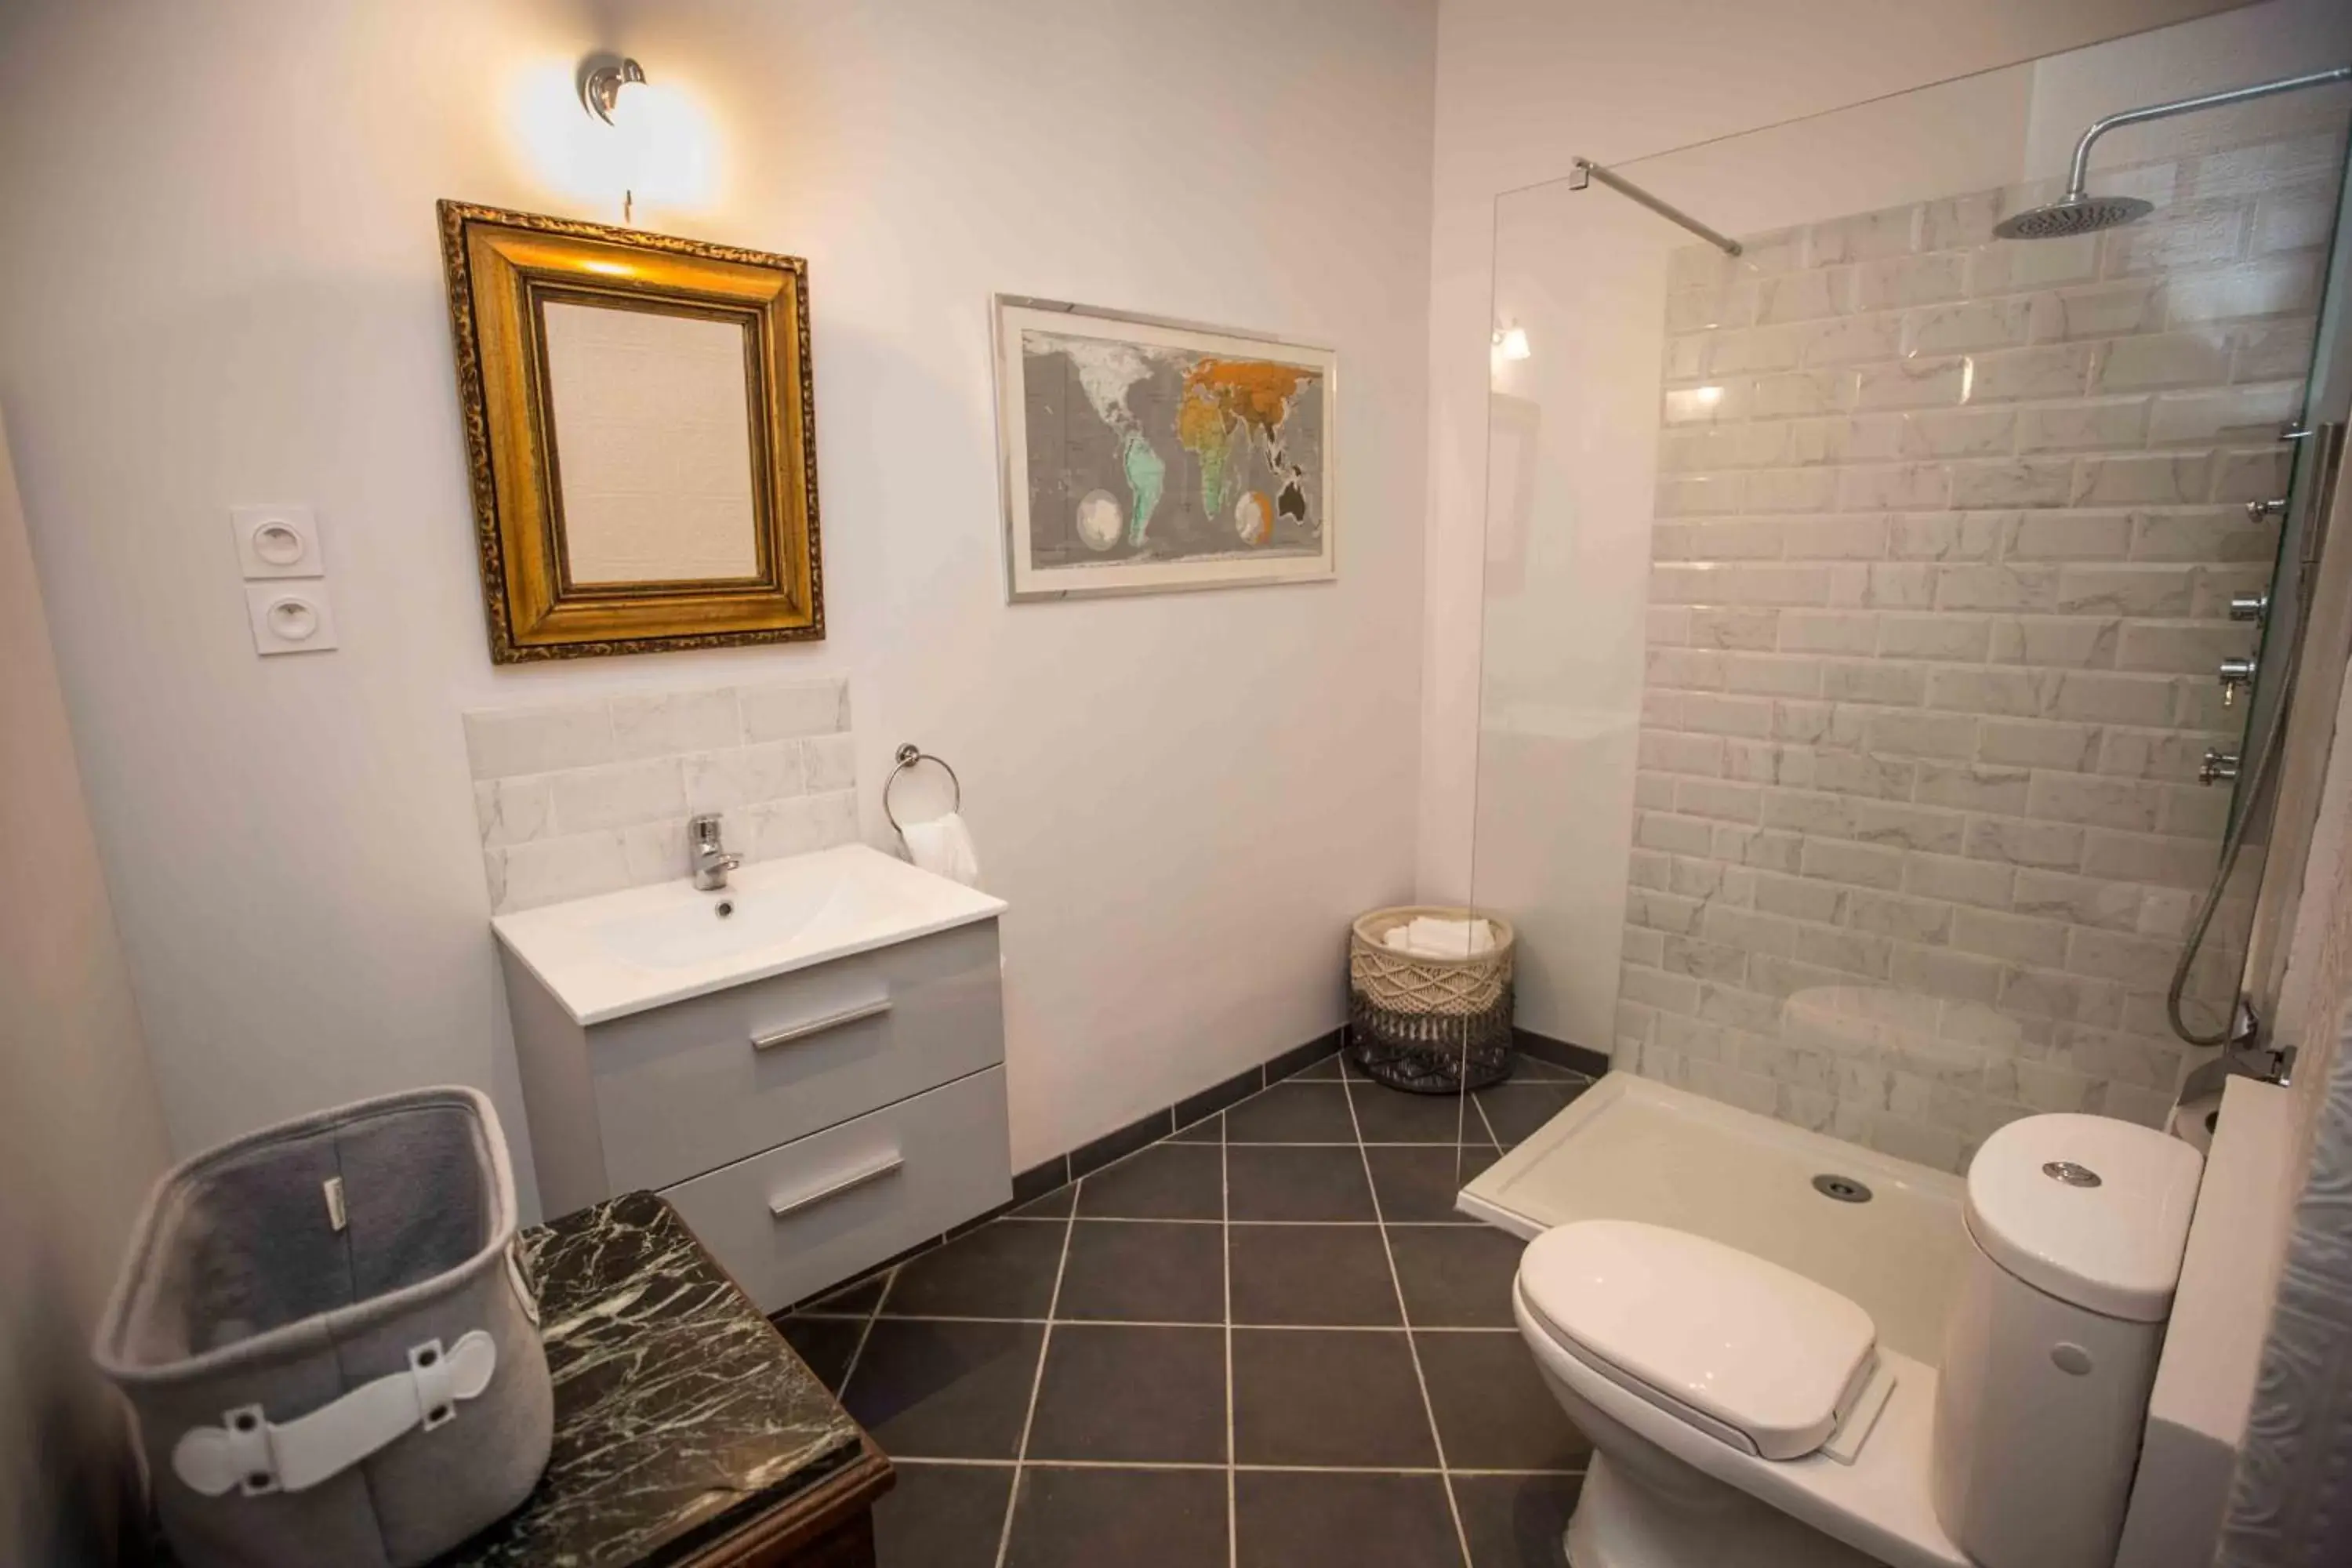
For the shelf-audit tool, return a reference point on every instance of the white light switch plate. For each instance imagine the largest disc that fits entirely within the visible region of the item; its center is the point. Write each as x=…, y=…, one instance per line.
x=277, y=542
x=290, y=618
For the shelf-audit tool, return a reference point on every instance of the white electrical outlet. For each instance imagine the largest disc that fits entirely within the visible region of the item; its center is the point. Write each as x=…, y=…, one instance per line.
x=277, y=542
x=290, y=618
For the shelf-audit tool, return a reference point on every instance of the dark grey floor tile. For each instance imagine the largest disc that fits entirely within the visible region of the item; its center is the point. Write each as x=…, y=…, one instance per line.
x=1051, y=1206
x=1307, y=1396
x=1167, y=1181
x=1142, y=1270
x=1003, y=1270
x=1208, y=1129
x=1292, y=1113
x=1316, y=1275
x=1515, y=1111
x=948, y=1390
x=1396, y=1116
x=1528, y=1067
x=1270, y=1183
x=1119, y=1519
x=1456, y=1275
x=1129, y=1394
x=855, y=1300
x=1494, y=1412
x=1294, y=1520
x=1514, y=1521
x=1322, y=1069
x=1417, y=1185
x=943, y=1516
x=826, y=1343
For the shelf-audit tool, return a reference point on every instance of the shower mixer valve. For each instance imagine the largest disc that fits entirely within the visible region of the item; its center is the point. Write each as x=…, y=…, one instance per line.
x=2218, y=767
x=2234, y=673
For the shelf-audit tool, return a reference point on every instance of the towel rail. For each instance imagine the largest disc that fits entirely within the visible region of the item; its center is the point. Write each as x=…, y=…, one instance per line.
x=909, y=755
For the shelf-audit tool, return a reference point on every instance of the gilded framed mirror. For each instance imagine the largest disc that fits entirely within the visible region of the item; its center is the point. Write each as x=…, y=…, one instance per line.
x=640, y=436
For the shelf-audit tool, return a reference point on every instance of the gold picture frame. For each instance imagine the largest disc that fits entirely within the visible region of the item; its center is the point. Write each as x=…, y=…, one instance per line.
x=705, y=540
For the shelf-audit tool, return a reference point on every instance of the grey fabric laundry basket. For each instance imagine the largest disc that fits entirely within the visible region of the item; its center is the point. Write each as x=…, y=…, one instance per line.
x=333, y=1356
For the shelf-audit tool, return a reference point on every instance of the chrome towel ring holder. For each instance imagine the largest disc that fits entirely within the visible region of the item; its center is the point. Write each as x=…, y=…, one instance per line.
x=909, y=755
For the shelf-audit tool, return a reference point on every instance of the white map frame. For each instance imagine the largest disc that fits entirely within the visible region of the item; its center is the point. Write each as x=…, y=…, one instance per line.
x=1025, y=581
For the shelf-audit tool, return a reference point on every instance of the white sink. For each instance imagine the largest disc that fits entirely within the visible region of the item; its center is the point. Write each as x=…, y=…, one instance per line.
x=734, y=920
x=618, y=954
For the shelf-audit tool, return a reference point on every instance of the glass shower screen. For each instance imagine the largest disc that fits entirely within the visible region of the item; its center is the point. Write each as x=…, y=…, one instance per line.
x=1855, y=605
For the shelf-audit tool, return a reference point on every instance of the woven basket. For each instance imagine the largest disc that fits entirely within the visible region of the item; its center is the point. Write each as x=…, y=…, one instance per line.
x=1433, y=1026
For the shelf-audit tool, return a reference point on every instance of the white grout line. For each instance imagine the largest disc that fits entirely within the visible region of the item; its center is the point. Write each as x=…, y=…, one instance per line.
x=1225, y=1266
x=1396, y=1283
x=1200, y=1323
x=1038, y=1380
x=857, y=1351
x=945, y=1461
x=1492, y=1136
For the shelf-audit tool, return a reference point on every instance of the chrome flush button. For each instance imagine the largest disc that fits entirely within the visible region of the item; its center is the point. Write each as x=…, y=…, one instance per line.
x=2070, y=1173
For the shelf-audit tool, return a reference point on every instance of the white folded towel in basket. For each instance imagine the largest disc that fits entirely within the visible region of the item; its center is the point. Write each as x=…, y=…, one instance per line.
x=1426, y=937
x=943, y=846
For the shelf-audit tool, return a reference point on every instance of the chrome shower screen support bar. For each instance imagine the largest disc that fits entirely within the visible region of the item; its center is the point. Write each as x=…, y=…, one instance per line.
x=1584, y=171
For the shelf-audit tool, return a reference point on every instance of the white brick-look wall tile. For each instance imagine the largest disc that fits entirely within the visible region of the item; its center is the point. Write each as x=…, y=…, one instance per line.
x=593, y=796
x=1947, y=531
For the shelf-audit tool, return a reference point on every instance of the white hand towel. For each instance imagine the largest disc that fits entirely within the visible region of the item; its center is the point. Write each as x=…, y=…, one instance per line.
x=1432, y=938
x=943, y=846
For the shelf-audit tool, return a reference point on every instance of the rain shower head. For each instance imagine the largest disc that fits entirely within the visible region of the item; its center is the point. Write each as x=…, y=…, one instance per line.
x=2079, y=211
x=2071, y=215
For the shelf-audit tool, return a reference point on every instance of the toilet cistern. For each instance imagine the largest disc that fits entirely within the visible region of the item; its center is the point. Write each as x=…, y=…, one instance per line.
x=711, y=860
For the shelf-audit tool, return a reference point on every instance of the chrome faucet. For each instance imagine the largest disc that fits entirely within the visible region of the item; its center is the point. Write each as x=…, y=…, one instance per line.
x=711, y=862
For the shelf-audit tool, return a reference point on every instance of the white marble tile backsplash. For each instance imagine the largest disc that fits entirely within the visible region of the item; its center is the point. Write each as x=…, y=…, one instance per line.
x=586, y=797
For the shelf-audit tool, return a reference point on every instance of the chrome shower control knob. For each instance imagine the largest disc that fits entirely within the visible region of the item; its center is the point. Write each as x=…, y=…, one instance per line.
x=2264, y=510
x=2249, y=607
x=2218, y=767
x=2233, y=673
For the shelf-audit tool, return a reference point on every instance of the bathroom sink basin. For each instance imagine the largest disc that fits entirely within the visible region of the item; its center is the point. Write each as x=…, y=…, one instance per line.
x=618, y=954
x=724, y=924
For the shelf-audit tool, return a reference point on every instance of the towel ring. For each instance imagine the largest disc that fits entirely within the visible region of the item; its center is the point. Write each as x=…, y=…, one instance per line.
x=909, y=755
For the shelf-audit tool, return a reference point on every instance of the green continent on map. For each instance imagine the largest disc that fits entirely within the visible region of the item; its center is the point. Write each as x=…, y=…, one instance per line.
x=1146, y=473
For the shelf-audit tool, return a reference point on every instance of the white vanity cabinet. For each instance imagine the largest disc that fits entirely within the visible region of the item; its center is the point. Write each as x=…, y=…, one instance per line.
x=821, y=1089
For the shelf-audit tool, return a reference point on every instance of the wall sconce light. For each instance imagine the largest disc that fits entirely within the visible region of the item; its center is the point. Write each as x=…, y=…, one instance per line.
x=1511, y=343
x=600, y=88
x=596, y=132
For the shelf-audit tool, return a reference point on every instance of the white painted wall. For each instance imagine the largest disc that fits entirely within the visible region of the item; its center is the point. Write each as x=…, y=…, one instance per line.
x=223, y=286
x=1524, y=86
x=80, y=1132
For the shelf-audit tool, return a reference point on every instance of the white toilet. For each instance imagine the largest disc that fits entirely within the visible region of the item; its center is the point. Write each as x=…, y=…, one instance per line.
x=1744, y=1417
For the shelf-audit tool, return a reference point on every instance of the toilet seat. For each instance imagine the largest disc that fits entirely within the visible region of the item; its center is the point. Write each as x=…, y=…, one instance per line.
x=1750, y=1353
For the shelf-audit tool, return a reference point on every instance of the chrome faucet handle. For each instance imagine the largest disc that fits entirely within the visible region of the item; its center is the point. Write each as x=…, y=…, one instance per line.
x=2234, y=673
x=711, y=860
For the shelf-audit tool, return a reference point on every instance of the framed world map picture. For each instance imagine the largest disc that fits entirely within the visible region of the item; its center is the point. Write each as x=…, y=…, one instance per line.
x=1140, y=455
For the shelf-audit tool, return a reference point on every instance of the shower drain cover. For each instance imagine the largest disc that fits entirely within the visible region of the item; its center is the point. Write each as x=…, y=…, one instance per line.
x=1845, y=1189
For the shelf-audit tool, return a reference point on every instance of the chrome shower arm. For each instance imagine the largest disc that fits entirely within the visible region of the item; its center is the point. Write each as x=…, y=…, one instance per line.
x=2099, y=128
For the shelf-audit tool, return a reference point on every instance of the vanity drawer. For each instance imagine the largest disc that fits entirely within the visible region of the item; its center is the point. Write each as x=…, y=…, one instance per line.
x=792, y=1221
x=688, y=1088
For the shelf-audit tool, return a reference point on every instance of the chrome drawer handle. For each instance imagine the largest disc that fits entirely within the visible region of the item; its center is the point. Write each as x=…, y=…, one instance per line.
x=792, y=1031
x=785, y=1208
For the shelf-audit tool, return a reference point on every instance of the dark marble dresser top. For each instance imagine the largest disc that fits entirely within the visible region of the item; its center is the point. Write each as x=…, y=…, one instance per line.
x=678, y=1409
